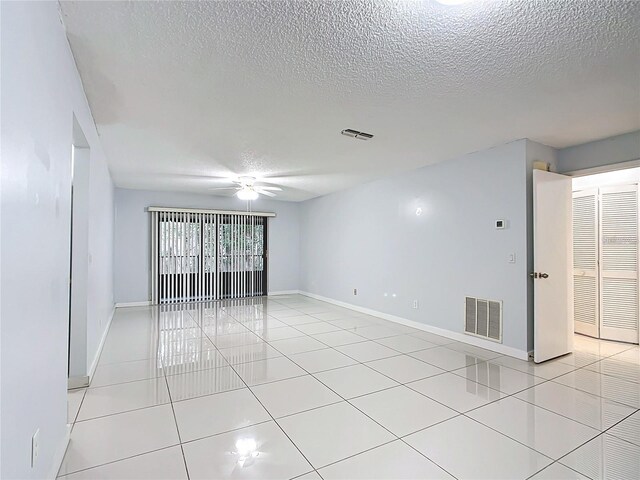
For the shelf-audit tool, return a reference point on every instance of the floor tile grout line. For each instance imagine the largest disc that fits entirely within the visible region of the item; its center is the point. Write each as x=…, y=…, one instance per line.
x=594, y=394
x=608, y=374
x=619, y=422
x=75, y=417
x=184, y=460
x=368, y=393
x=429, y=459
x=446, y=371
x=452, y=371
x=345, y=400
x=575, y=449
x=273, y=418
x=304, y=474
x=175, y=419
x=574, y=369
x=119, y=460
x=356, y=454
x=123, y=412
x=561, y=464
x=217, y=434
x=511, y=438
x=620, y=438
x=126, y=382
x=365, y=414
x=349, y=329
x=495, y=401
x=562, y=415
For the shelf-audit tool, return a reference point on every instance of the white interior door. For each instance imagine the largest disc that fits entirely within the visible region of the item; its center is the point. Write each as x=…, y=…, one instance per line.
x=619, y=263
x=585, y=262
x=552, y=249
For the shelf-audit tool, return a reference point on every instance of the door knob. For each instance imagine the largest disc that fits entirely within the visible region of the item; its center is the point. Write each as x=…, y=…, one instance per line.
x=544, y=275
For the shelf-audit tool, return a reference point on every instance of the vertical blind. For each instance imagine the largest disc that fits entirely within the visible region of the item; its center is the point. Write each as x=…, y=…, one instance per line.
x=199, y=255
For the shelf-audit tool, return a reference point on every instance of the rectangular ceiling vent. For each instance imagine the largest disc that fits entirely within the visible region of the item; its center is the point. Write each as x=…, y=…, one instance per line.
x=483, y=318
x=356, y=134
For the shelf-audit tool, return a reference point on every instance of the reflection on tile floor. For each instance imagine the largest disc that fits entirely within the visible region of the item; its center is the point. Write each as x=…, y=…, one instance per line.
x=292, y=387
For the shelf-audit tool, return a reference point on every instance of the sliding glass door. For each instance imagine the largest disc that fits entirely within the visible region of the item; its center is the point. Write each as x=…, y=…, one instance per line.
x=242, y=256
x=180, y=250
x=207, y=256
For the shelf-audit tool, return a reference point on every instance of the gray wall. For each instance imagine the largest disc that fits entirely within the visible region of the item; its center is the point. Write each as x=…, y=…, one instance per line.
x=41, y=91
x=132, y=239
x=609, y=151
x=370, y=238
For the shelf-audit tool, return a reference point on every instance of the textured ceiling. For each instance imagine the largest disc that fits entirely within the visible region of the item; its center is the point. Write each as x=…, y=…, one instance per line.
x=182, y=91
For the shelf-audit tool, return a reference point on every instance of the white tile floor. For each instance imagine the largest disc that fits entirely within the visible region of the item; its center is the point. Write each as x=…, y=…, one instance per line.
x=291, y=387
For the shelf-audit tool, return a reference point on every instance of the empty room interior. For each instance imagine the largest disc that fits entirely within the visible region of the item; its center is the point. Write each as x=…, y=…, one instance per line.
x=309, y=239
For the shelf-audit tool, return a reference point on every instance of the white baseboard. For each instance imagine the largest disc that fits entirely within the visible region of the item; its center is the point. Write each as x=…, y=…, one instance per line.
x=460, y=337
x=133, y=304
x=94, y=364
x=284, y=292
x=59, y=455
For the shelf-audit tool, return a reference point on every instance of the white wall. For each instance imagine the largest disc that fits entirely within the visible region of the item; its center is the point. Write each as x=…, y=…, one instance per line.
x=41, y=91
x=608, y=151
x=132, y=237
x=370, y=238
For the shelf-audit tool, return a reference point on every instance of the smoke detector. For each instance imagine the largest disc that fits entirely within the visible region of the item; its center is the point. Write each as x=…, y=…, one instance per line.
x=348, y=132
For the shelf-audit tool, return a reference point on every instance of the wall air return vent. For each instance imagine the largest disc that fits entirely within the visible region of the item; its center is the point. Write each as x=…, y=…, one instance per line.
x=356, y=134
x=483, y=318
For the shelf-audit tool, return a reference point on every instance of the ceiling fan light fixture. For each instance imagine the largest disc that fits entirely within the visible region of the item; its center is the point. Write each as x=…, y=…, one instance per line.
x=247, y=194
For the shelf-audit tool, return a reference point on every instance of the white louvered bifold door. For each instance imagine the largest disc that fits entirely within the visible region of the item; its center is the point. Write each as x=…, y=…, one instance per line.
x=585, y=262
x=619, y=308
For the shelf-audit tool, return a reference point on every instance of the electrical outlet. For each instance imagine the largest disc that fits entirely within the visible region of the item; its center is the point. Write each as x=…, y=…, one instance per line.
x=35, y=447
x=355, y=291
x=415, y=304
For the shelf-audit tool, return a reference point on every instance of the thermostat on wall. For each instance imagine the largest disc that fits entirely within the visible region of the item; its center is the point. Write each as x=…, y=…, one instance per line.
x=500, y=224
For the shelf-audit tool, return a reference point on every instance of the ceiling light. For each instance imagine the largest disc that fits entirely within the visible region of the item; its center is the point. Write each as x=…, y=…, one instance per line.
x=247, y=194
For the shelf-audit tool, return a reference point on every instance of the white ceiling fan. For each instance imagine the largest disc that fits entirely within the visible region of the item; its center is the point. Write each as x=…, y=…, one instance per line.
x=247, y=189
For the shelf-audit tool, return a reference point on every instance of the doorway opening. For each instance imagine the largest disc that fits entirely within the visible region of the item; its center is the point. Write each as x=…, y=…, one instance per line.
x=605, y=255
x=78, y=368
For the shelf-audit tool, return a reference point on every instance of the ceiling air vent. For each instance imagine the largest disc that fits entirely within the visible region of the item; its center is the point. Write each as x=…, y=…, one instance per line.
x=356, y=134
x=483, y=318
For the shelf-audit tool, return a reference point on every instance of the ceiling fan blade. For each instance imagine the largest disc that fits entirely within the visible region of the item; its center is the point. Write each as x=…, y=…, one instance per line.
x=275, y=189
x=264, y=192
